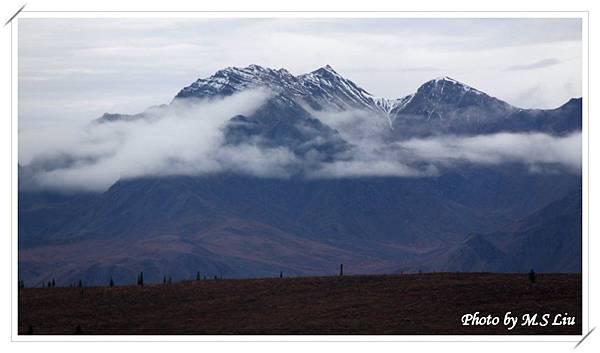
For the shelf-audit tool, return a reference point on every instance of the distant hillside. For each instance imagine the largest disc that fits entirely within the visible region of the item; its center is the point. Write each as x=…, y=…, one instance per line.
x=239, y=226
x=548, y=240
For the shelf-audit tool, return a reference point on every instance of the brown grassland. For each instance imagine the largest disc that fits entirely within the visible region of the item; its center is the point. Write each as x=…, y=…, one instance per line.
x=412, y=304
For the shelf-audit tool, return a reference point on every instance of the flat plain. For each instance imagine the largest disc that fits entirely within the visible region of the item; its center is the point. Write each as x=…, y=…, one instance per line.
x=409, y=304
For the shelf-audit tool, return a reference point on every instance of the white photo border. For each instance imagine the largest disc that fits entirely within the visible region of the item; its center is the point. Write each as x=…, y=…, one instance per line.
x=583, y=15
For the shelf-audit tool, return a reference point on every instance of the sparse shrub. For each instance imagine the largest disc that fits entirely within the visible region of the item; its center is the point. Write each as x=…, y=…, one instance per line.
x=216, y=278
x=111, y=283
x=532, y=276
x=280, y=274
x=80, y=284
x=164, y=279
x=53, y=283
x=49, y=284
x=198, y=276
x=341, y=269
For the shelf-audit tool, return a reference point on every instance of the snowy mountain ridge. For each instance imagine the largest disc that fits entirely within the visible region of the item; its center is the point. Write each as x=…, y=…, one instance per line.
x=323, y=88
x=439, y=106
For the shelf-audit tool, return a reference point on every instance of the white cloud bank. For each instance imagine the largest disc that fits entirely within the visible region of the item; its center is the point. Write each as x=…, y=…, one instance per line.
x=532, y=149
x=187, y=139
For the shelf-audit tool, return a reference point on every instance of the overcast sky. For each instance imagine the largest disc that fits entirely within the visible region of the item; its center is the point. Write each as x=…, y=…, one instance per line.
x=77, y=69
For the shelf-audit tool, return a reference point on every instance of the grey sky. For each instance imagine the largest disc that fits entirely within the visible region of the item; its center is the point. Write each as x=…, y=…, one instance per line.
x=77, y=69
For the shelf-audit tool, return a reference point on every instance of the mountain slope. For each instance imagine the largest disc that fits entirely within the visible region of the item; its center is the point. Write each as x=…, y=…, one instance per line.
x=548, y=240
x=242, y=226
x=446, y=106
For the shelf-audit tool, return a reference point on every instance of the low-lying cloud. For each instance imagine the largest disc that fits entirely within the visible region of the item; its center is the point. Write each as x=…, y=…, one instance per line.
x=187, y=138
x=531, y=149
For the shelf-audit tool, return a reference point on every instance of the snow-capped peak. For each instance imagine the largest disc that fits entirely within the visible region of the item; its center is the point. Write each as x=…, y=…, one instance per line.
x=327, y=68
x=325, y=88
x=442, y=81
x=446, y=78
x=234, y=79
x=324, y=72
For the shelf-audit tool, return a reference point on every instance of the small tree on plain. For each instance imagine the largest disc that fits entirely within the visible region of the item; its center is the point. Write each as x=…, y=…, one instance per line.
x=532, y=276
x=111, y=283
x=198, y=276
x=141, y=279
x=80, y=284
x=341, y=269
x=53, y=283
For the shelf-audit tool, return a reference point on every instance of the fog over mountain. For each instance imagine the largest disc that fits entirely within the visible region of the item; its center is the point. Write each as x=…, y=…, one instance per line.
x=265, y=122
x=252, y=171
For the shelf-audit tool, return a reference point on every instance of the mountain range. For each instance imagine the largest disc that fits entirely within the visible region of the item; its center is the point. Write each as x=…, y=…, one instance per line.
x=474, y=217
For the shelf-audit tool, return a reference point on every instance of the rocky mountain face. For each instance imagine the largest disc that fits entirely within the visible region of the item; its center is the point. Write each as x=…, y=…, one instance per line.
x=463, y=219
